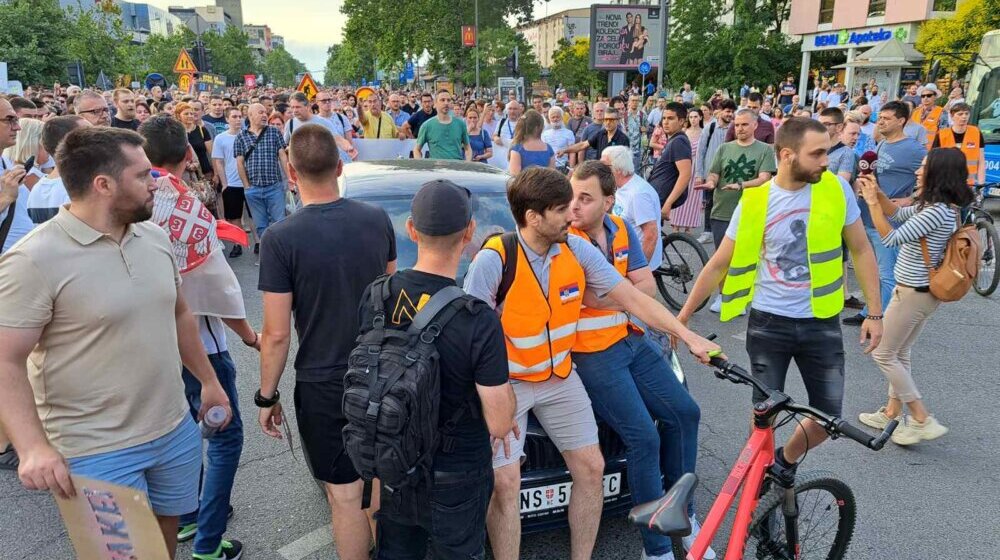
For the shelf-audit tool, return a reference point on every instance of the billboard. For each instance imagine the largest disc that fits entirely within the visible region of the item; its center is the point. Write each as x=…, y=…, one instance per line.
x=622, y=36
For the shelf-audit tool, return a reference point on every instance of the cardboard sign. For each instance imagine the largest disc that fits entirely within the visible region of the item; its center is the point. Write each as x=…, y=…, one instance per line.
x=308, y=86
x=249, y=81
x=110, y=522
x=184, y=63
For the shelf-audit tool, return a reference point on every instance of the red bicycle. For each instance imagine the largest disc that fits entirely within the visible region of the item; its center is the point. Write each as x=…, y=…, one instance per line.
x=818, y=510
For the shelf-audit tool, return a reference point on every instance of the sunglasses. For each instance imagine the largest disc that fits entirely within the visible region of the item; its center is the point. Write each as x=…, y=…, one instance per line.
x=927, y=95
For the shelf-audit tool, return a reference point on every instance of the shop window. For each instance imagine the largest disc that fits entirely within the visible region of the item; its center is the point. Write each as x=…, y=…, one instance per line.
x=826, y=11
x=945, y=5
x=876, y=8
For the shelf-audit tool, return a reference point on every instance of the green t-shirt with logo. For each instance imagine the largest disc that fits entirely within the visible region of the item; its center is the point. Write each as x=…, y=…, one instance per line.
x=734, y=163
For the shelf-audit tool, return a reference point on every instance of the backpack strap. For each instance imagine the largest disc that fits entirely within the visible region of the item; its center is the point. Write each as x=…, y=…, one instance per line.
x=430, y=311
x=378, y=295
x=510, y=249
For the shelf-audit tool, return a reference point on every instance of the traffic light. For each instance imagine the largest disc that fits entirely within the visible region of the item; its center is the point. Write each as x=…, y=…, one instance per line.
x=512, y=63
x=206, y=58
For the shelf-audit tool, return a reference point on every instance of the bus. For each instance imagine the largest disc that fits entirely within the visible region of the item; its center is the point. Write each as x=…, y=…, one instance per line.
x=984, y=97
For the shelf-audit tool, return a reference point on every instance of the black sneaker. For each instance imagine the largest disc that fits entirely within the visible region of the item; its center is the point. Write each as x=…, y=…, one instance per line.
x=236, y=251
x=256, y=248
x=854, y=303
x=228, y=550
x=782, y=472
x=9, y=460
x=854, y=320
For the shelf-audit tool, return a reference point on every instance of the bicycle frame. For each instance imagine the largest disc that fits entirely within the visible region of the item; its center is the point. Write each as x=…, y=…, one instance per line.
x=748, y=473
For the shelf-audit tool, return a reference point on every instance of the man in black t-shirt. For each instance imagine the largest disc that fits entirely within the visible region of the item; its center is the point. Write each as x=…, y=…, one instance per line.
x=477, y=402
x=610, y=135
x=411, y=128
x=671, y=173
x=316, y=265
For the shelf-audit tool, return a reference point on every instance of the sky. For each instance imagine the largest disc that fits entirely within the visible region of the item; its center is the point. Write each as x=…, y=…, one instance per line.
x=311, y=26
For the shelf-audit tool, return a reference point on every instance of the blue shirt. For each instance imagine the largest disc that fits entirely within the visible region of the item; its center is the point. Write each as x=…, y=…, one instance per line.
x=479, y=143
x=636, y=258
x=534, y=158
x=400, y=117
x=896, y=170
x=865, y=143
x=263, y=166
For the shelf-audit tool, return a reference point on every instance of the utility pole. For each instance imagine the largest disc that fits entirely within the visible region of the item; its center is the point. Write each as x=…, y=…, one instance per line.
x=477, y=47
x=664, y=40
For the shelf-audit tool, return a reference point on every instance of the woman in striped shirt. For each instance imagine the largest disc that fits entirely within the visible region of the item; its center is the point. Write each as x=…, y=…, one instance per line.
x=936, y=214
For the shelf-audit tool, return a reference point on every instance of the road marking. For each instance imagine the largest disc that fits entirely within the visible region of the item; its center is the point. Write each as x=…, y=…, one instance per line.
x=742, y=335
x=307, y=544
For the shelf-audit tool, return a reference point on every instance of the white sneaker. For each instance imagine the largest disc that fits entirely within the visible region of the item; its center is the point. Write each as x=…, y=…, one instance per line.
x=716, y=306
x=689, y=540
x=912, y=432
x=667, y=556
x=878, y=419
x=705, y=237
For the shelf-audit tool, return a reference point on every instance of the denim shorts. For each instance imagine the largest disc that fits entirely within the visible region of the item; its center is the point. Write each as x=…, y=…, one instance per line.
x=167, y=469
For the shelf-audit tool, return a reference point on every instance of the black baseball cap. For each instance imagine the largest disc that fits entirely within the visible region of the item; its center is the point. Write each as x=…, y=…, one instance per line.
x=440, y=208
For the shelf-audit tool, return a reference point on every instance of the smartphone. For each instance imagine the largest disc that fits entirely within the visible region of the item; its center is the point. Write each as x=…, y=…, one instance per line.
x=29, y=164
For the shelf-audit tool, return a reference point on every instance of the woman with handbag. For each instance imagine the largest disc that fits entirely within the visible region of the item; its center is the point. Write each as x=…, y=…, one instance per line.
x=929, y=223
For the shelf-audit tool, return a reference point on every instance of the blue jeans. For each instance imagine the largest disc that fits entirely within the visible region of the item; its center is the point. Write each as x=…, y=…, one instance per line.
x=224, y=449
x=631, y=385
x=886, y=257
x=267, y=204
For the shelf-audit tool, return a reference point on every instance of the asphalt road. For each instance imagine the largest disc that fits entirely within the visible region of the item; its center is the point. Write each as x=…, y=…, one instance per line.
x=934, y=500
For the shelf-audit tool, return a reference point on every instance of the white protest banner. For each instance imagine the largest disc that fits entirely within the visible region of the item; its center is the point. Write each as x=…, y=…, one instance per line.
x=499, y=158
x=369, y=150
x=110, y=522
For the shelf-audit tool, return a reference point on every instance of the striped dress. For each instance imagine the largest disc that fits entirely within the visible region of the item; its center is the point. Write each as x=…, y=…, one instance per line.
x=690, y=214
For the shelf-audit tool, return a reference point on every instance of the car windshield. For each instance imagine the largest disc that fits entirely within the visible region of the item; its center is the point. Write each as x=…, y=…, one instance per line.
x=490, y=210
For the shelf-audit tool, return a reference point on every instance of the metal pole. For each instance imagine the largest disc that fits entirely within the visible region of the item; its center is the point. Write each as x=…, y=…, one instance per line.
x=477, y=47
x=665, y=28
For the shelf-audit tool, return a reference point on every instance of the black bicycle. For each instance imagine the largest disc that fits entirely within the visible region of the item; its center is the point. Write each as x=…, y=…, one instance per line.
x=683, y=260
x=989, y=274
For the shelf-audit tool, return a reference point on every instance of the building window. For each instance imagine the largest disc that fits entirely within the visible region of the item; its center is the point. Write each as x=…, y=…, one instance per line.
x=876, y=8
x=945, y=5
x=826, y=11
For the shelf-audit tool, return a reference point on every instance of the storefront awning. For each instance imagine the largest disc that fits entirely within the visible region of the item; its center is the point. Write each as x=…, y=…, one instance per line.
x=889, y=54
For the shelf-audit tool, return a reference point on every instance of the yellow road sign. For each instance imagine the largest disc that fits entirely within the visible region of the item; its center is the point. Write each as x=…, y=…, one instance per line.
x=184, y=63
x=184, y=83
x=308, y=86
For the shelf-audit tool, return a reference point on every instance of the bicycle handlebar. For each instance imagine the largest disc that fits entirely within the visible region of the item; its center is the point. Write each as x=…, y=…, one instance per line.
x=833, y=425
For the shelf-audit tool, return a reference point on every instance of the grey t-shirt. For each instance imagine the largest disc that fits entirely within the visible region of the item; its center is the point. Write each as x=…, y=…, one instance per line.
x=896, y=170
x=843, y=159
x=486, y=270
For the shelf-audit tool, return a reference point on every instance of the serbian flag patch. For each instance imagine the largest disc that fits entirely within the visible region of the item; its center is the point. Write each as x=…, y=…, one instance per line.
x=621, y=253
x=569, y=292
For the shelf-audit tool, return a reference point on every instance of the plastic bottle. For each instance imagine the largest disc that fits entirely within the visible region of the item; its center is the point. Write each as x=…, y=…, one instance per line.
x=213, y=421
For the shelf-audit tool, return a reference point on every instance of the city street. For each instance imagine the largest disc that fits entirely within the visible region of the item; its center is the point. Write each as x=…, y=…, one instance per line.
x=935, y=500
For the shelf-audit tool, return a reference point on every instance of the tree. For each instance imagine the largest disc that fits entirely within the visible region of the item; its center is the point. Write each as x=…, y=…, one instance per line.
x=495, y=46
x=280, y=67
x=963, y=32
x=160, y=52
x=231, y=54
x=346, y=63
x=98, y=38
x=571, y=66
x=33, y=41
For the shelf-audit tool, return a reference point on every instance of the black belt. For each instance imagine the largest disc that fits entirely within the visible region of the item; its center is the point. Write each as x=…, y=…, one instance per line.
x=921, y=289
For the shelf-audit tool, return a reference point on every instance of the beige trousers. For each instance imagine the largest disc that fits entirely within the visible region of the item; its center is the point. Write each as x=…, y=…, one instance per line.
x=905, y=317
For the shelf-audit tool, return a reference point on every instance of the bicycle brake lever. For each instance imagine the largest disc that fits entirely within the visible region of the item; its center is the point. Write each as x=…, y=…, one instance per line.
x=879, y=441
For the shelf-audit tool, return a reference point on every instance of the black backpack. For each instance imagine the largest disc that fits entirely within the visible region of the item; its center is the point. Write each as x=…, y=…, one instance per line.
x=392, y=393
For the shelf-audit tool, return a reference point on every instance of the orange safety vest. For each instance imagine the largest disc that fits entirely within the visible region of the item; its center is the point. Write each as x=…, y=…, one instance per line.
x=598, y=329
x=930, y=122
x=539, y=331
x=972, y=143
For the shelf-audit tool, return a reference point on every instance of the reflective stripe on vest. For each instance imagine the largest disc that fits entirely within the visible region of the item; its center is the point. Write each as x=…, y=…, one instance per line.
x=539, y=331
x=827, y=215
x=930, y=121
x=599, y=329
x=972, y=143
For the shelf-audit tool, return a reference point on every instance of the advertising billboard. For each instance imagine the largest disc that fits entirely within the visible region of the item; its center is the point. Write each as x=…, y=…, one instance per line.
x=622, y=36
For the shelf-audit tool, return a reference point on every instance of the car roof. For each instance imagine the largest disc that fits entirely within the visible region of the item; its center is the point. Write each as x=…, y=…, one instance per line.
x=397, y=177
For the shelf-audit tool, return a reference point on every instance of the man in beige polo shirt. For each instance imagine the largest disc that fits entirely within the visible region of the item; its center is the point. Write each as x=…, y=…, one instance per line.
x=93, y=332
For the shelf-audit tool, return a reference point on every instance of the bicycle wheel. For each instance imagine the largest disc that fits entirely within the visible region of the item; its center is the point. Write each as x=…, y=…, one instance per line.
x=683, y=260
x=989, y=274
x=827, y=512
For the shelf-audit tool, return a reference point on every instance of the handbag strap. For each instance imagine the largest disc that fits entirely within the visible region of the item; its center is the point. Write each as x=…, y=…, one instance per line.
x=923, y=242
x=246, y=156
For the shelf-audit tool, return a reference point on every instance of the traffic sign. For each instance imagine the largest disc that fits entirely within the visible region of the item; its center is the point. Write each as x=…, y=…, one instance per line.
x=468, y=36
x=184, y=64
x=409, y=71
x=184, y=83
x=645, y=67
x=308, y=86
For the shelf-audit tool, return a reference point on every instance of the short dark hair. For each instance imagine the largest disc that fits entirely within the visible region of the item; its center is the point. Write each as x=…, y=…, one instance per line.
x=300, y=97
x=263, y=97
x=281, y=107
x=424, y=94
x=227, y=110
x=833, y=112
x=313, y=151
x=538, y=189
x=756, y=97
x=897, y=108
x=793, y=130
x=89, y=151
x=678, y=109
x=945, y=178
x=17, y=103
x=726, y=104
x=166, y=141
x=594, y=168
x=56, y=129
x=960, y=107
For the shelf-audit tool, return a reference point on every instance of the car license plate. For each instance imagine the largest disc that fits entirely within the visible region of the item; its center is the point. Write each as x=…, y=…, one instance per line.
x=993, y=192
x=557, y=495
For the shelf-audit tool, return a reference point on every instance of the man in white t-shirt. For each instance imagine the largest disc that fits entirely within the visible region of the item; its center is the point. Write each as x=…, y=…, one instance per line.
x=49, y=193
x=636, y=201
x=558, y=136
x=224, y=162
x=302, y=115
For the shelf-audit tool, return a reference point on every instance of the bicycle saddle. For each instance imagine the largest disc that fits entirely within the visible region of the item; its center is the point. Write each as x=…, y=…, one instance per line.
x=668, y=515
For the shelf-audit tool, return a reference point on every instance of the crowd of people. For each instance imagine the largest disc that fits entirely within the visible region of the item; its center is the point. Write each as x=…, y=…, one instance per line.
x=114, y=200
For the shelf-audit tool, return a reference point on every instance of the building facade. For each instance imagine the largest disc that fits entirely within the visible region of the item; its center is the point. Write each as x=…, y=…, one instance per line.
x=544, y=34
x=854, y=26
x=233, y=9
x=260, y=38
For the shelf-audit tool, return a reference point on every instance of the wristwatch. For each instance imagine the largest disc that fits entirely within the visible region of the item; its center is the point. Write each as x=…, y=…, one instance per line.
x=740, y=184
x=261, y=402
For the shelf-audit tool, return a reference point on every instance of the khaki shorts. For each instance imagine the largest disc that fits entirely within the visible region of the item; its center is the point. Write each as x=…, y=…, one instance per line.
x=563, y=409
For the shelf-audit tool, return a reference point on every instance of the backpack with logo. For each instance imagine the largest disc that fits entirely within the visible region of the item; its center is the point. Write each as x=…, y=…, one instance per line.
x=958, y=269
x=392, y=393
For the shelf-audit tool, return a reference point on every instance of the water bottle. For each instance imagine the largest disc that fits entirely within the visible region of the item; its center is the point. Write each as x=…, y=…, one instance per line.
x=212, y=422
